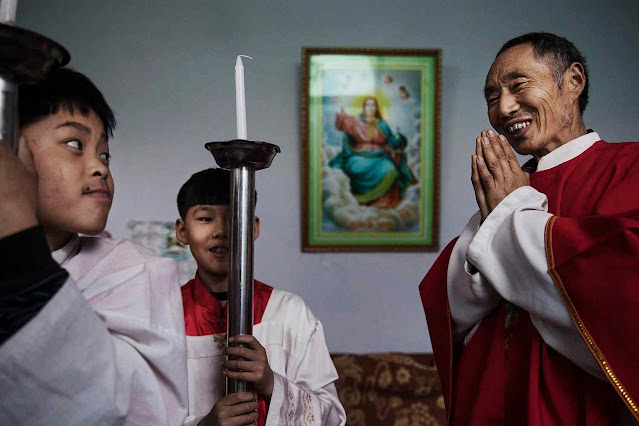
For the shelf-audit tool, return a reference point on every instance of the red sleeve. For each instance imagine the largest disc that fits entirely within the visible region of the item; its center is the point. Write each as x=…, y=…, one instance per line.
x=343, y=122
x=434, y=294
x=353, y=126
x=594, y=262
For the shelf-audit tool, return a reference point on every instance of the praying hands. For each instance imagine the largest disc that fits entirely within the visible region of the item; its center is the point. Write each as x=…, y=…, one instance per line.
x=495, y=171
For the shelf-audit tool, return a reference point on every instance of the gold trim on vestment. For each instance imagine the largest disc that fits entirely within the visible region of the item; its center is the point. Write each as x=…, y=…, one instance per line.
x=585, y=334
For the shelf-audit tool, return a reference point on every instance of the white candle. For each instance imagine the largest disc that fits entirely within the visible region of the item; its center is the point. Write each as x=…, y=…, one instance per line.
x=240, y=98
x=8, y=11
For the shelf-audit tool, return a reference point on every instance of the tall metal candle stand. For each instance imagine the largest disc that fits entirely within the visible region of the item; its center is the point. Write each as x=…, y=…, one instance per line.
x=242, y=158
x=24, y=56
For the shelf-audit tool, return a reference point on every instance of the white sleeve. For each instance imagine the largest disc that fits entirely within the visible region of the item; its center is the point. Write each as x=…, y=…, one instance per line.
x=117, y=358
x=308, y=395
x=470, y=295
x=509, y=250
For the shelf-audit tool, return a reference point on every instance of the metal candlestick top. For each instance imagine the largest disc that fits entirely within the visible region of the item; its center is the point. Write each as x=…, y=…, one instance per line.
x=242, y=158
x=24, y=56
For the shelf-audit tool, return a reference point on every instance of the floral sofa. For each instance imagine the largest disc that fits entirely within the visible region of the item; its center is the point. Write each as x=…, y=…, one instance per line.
x=395, y=389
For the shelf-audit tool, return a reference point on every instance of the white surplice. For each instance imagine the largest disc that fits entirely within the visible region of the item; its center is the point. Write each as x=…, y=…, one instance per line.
x=108, y=348
x=508, y=250
x=304, y=391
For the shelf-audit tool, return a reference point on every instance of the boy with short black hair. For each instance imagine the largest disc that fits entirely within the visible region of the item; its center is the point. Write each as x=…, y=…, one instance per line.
x=103, y=344
x=286, y=361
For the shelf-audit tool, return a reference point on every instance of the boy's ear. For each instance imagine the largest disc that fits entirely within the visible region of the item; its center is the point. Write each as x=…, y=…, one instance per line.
x=25, y=154
x=180, y=232
x=256, y=228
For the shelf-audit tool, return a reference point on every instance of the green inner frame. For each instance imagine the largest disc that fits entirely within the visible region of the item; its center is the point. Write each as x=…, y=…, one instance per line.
x=426, y=65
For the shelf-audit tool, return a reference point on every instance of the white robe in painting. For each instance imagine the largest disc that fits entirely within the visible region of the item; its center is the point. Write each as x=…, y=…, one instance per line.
x=108, y=348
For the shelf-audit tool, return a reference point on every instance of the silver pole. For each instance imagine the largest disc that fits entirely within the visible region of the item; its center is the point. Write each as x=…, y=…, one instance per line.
x=240, y=319
x=242, y=158
x=9, y=111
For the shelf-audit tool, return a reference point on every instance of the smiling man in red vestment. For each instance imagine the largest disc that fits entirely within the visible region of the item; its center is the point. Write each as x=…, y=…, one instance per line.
x=530, y=309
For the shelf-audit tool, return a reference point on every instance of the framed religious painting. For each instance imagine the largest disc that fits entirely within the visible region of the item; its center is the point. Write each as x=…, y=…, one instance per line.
x=371, y=130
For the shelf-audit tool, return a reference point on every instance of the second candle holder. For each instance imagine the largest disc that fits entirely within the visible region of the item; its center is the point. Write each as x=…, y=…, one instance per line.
x=242, y=158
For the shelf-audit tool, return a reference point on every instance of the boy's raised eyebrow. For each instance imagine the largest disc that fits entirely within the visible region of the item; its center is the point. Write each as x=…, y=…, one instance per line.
x=75, y=125
x=201, y=207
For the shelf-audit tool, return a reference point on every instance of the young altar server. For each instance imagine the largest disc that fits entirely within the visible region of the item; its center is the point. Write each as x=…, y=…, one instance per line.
x=287, y=361
x=103, y=344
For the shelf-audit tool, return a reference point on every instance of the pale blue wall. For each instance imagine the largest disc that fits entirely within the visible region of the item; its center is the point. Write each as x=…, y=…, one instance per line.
x=167, y=69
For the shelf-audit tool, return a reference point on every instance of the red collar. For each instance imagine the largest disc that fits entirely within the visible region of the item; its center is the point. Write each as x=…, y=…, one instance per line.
x=204, y=314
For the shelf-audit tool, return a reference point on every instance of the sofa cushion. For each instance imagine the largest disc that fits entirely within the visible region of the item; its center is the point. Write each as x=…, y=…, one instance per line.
x=396, y=389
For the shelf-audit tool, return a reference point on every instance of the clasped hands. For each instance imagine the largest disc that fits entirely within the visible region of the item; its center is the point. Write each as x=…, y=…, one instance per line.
x=495, y=171
x=241, y=408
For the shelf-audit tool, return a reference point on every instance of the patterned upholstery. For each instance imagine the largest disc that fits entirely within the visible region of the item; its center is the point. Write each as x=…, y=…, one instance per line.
x=394, y=389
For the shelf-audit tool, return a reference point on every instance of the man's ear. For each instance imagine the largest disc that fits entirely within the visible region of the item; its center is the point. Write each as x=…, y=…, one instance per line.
x=180, y=232
x=256, y=228
x=575, y=79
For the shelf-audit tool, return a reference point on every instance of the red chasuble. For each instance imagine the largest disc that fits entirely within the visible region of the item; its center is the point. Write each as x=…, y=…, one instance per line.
x=204, y=315
x=507, y=375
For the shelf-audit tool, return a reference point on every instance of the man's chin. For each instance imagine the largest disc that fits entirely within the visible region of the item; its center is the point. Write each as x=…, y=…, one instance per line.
x=521, y=147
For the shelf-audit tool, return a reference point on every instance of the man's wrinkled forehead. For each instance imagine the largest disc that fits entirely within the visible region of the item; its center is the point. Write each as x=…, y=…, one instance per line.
x=494, y=80
x=510, y=64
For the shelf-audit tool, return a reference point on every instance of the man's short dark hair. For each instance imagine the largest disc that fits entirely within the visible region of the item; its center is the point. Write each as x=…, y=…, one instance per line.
x=559, y=53
x=210, y=187
x=64, y=88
